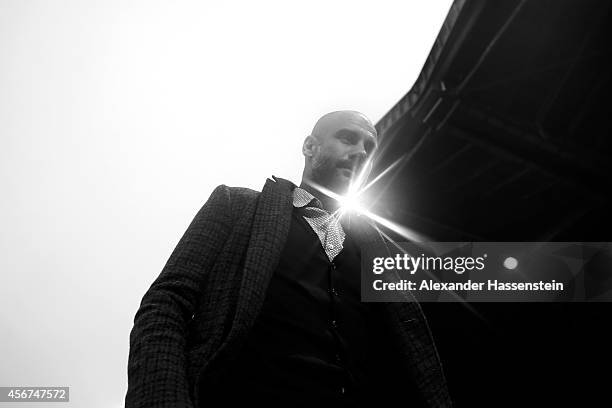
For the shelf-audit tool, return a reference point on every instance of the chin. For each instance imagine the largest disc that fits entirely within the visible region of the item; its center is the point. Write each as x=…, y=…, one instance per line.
x=336, y=181
x=341, y=185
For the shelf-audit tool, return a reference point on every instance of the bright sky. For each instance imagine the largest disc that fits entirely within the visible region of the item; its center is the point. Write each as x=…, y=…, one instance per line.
x=117, y=120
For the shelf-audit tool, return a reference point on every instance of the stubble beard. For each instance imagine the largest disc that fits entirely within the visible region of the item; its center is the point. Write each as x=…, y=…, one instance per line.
x=324, y=172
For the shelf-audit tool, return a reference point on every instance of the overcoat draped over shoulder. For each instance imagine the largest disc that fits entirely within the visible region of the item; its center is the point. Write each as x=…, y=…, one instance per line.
x=199, y=310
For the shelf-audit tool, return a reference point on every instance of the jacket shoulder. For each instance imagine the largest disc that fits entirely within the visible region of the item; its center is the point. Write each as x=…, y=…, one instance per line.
x=242, y=193
x=238, y=200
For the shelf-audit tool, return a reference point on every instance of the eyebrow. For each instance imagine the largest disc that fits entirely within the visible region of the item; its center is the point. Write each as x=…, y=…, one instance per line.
x=370, y=143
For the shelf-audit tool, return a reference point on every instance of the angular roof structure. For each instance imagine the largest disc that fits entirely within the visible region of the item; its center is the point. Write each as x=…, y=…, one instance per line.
x=505, y=135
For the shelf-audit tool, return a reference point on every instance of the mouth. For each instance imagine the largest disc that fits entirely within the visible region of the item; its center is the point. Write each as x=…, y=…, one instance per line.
x=346, y=170
x=348, y=165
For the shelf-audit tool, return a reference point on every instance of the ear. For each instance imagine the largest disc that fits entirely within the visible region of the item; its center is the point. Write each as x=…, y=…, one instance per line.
x=310, y=146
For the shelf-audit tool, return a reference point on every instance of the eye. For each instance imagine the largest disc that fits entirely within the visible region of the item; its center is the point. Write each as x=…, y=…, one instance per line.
x=348, y=138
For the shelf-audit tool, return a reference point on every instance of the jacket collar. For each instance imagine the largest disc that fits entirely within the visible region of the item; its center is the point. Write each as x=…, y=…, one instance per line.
x=269, y=233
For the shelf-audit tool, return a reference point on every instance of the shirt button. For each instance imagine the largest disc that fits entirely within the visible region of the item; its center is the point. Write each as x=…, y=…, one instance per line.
x=330, y=246
x=334, y=324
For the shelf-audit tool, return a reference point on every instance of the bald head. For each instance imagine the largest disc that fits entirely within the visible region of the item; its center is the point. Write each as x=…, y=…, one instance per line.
x=338, y=148
x=334, y=121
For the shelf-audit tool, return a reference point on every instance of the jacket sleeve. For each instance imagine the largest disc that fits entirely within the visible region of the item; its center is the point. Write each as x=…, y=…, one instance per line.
x=157, y=358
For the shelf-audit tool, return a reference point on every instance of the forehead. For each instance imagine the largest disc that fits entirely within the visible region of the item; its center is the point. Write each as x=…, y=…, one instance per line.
x=350, y=124
x=364, y=131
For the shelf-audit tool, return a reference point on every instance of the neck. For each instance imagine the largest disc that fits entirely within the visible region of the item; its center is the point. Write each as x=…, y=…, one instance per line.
x=329, y=203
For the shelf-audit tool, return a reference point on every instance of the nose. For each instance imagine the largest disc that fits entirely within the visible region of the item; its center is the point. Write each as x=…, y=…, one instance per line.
x=360, y=155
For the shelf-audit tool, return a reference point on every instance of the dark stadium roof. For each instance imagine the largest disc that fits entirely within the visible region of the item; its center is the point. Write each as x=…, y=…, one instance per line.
x=506, y=133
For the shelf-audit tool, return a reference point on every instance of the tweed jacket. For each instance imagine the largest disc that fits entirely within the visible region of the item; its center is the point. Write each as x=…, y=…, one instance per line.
x=199, y=310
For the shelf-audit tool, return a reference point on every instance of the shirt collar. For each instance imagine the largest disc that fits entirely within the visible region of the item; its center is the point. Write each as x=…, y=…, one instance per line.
x=301, y=198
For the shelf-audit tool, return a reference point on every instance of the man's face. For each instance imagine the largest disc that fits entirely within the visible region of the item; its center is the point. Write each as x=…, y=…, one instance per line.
x=344, y=148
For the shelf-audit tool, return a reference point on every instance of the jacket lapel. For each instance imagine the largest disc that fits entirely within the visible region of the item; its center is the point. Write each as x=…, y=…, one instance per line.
x=268, y=236
x=407, y=321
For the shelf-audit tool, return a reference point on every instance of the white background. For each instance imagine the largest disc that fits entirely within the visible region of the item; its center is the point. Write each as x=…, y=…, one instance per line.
x=117, y=120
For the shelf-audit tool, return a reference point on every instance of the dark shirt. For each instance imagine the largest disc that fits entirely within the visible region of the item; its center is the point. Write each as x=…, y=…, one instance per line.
x=310, y=342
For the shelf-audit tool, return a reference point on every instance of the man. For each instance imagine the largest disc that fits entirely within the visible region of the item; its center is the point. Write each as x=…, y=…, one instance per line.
x=260, y=303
